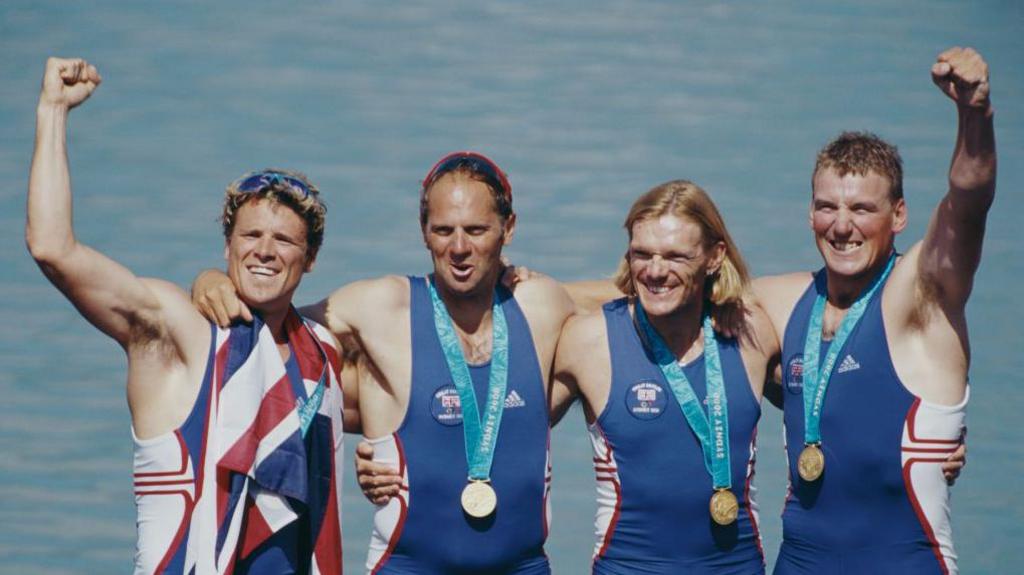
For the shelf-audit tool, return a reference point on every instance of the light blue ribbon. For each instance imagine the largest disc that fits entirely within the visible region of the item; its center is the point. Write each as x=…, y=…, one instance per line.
x=480, y=436
x=309, y=408
x=712, y=429
x=814, y=383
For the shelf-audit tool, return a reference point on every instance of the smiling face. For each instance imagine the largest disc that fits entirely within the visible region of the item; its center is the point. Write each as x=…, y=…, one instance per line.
x=465, y=235
x=267, y=254
x=855, y=221
x=669, y=263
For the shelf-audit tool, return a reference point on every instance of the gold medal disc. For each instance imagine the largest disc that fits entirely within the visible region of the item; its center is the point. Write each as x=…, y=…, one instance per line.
x=479, y=499
x=811, y=463
x=724, y=507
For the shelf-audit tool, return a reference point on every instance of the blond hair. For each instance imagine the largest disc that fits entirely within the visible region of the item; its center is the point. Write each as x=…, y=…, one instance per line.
x=685, y=199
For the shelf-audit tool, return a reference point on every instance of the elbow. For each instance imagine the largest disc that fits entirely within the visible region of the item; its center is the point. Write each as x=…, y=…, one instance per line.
x=46, y=250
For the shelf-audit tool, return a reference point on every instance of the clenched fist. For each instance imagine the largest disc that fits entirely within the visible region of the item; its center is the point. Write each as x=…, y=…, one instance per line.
x=962, y=74
x=68, y=82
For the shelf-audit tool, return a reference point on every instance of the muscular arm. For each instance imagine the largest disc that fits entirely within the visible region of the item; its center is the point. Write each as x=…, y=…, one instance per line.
x=109, y=295
x=582, y=367
x=951, y=250
x=588, y=296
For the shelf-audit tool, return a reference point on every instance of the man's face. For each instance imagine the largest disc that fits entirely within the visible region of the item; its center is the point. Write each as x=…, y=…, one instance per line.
x=854, y=221
x=267, y=254
x=669, y=263
x=465, y=234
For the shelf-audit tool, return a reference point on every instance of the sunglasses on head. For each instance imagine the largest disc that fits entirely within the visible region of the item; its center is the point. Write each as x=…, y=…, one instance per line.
x=475, y=163
x=259, y=181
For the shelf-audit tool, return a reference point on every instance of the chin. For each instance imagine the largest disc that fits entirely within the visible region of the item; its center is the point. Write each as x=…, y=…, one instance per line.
x=658, y=308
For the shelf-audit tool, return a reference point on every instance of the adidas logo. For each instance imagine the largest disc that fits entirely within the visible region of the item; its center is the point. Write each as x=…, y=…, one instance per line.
x=849, y=364
x=513, y=400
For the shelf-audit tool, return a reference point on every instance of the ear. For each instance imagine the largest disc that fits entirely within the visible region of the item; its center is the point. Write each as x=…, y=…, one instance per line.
x=900, y=216
x=310, y=260
x=510, y=229
x=716, y=255
x=227, y=248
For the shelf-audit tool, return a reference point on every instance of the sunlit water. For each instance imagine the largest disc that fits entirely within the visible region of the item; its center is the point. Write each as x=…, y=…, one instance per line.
x=586, y=105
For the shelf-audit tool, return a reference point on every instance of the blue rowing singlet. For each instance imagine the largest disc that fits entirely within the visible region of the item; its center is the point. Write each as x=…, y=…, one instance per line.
x=652, y=486
x=882, y=504
x=424, y=531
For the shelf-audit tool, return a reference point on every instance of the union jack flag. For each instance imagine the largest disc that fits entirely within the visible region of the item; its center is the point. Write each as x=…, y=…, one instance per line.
x=258, y=482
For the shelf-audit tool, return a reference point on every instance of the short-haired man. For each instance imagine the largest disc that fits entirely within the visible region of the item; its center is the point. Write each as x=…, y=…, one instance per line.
x=671, y=405
x=237, y=432
x=459, y=398
x=875, y=349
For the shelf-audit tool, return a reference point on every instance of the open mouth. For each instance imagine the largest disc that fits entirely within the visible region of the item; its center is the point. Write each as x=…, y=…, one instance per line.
x=262, y=271
x=656, y=289
x=461, y=272
x=844, y=247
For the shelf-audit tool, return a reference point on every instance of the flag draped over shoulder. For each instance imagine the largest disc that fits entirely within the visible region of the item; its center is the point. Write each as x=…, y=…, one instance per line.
x=277, y=489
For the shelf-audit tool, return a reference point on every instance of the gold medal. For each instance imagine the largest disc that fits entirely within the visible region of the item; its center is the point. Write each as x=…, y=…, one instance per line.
x=479, y=499
x=724, y=507
x=811, y=463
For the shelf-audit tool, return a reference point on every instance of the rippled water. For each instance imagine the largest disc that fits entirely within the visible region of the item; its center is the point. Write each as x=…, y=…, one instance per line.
x=586, y=105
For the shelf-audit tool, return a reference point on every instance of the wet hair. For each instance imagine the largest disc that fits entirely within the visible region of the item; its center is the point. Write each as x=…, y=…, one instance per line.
x=308, y=206
x=476, y=167
x=685, y=199
x=859, y=153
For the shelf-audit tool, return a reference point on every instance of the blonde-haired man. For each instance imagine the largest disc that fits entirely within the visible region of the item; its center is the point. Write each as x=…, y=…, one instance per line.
x=671, y=406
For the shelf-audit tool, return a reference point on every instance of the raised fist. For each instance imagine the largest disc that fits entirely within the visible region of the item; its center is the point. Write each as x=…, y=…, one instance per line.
x=962, y=74
x=68, y=82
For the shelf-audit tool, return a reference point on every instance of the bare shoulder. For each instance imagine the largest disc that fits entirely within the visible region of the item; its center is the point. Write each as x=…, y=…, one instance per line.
x=544, y=300
x=769, y=288
x=540, y=289
x=174, y=321
x=906, y=274
x=583, y=335
x=585, y=328
x=172, y=305
x=354, y=305
x=385, y=291
x=759, y=331
x=778, y=294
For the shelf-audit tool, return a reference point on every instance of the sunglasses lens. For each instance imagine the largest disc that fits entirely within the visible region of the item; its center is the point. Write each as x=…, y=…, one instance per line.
x=262, y=180
x=253, y=183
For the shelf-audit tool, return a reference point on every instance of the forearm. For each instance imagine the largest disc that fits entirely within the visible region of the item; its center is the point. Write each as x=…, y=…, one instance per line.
x=589, y=296
x=48, y=230
x=973, y=167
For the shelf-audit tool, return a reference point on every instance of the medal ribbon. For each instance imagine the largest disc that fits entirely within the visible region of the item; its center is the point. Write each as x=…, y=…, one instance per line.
x=815, y=383
x=712, y=429
x=480, y=436
x=309, y=407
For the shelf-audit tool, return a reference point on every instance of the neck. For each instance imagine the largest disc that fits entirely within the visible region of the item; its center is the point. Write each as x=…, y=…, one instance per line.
x=681, y=330
x=275, y=323
x=470, y=311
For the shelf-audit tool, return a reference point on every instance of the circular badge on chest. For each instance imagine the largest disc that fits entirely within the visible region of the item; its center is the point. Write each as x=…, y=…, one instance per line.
x=445, y=406
x=646, y=400
x=794, y=375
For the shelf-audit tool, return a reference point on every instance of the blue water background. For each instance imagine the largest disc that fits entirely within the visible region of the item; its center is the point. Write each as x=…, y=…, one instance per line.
x=585, y=104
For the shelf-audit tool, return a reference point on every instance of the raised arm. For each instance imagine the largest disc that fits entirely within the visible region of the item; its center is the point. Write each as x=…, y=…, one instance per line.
x=951, y=250
x=109, y=295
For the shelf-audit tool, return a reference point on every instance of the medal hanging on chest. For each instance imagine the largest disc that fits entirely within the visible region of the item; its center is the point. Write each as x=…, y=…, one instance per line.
x=478, y=499
x=712, y=428
x=811, y=463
